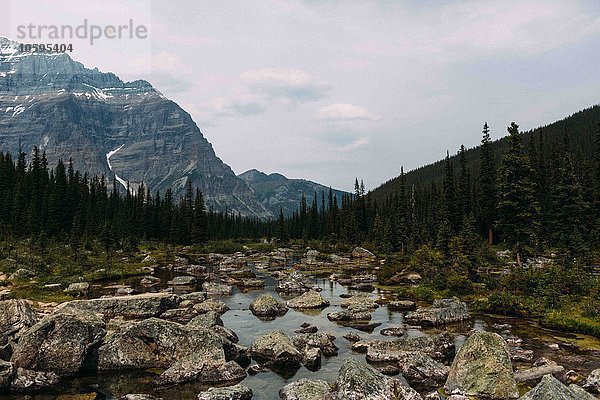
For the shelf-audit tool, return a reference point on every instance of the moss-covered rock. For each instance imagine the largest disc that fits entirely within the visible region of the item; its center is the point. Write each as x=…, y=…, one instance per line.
x=483, y=368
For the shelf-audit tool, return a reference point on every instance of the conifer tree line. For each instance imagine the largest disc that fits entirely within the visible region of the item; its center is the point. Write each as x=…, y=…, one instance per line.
x=530, y=195
x=62, y=203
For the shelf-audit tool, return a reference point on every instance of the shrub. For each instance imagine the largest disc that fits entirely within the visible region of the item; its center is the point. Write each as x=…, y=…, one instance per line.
x=591, y=308
x=420, y=292
x=505, y=303
x=459, y=285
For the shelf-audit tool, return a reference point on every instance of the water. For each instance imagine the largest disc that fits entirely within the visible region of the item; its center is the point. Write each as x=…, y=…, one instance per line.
x=266, y=385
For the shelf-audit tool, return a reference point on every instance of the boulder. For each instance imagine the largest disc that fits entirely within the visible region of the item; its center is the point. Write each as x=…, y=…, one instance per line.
x=237, y=392
x=27, y=381
x=293, y=283
x=323, y=341
x=438, y=347
x=15, y=315
x=140, y=397
x=442, y=312
x=22, y=274
x=268, y=306
x=359, y=302
x=482, y=368
x=306, y=389
x=211, y=305
x=401, y=305
x=59, y=343
x=359, y=381
x=217, y=289
x=276, y=348
x=156, y=343
x=593, y=381
x=137, y=306
x=394, y=331
x=149, y=280
x=550, y=388
x=362, y=254
x=203, y=369
x=307, y=300
x=349, y=315
x=78, y=289
x=416, y=367
x=182, y=280
x=208, y=320
x=352, y=337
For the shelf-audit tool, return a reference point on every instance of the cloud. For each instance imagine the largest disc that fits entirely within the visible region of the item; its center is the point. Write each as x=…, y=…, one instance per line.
x=286, y=84
x=241, y=106
x=355, y=145
x=344, y=112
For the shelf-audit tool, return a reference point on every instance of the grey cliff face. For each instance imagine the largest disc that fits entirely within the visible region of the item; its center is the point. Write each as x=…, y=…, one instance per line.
x=123, y=130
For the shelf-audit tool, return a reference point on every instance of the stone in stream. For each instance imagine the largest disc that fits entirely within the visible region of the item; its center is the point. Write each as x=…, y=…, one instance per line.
x=27, y=381
x=593, y=381
x=394, y=331
x=443, y=311
x=418, y=367
x=439, y=347
x=277, y=349
x=237, y=392
x=401, y=305
x=551, y=388
x=482, y=368
x=359, y=302
x=267, y=306
x=293, y=283
x=149, y=280
x=359, y=381
x=137, y=306
x=140, y=397
x=307, y=329
x=211, y=305
x=306, y=389
x=352, y=337
x=322, y=341
x=308, y=300
x=208, y=320
x=187, y=353
x=217, y=289
x=59, y=343
x=182, y=280
x=349, y=315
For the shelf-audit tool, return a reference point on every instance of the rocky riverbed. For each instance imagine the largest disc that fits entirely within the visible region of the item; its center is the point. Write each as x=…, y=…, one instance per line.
x=263, y=326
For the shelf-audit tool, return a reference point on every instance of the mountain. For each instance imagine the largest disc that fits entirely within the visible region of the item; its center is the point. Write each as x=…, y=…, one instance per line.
x=126, y=131
x=579, y=129
x=275, y=191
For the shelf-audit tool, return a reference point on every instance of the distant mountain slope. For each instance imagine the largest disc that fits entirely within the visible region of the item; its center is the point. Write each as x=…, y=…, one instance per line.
x=580, y=128
x=275, y=191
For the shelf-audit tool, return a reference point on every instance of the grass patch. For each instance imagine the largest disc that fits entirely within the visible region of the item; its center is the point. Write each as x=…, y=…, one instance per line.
x=571, y=322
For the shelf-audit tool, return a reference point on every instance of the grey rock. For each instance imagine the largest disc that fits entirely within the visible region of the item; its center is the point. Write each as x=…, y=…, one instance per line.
x=15, y=315
x=402, y=305
x=359, y=381
x=140, y=397
x=293, y=283
x=482, y=368
x=237, y=392
x=59, y=343
x=416, y=366
x=362, y=253
x=145, y=305
x=593, y=381
x=438, y=347
x=393, y=331
x=359, y=302
x=211, y=305
x=442, y=312
x=307, y=300
x=550, y=388
x=268, y=306
x=27, y=381
x=182, y=280
x=541, y=367
x=275, y=347
x=216, y=288
x=306, y=389
x=21, y=273
x=78, y=288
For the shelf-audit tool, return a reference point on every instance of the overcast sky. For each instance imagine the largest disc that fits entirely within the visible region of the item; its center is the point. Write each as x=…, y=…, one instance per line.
x=332, y=90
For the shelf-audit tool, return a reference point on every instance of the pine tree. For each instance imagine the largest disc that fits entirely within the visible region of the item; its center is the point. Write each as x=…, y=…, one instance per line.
x=281, y=230
x=517, y=203
x=464, y=184
x=487, y=185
